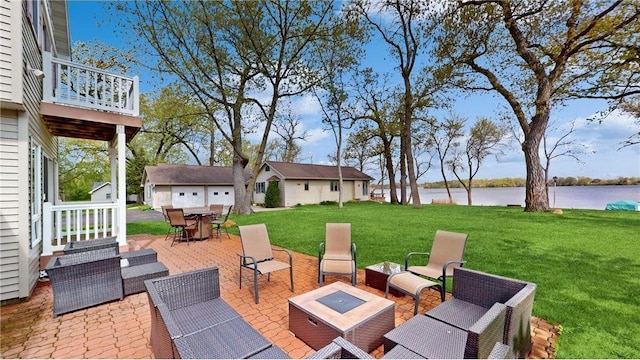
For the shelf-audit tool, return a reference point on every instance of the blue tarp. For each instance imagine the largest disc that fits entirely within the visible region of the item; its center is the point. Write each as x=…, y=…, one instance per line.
x=624, y=205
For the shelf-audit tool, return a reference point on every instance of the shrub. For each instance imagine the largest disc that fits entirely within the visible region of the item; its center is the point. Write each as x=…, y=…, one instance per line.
x=272, y=196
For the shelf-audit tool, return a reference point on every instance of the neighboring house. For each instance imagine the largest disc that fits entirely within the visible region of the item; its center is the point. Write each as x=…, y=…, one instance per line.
x=101, y=192
x=188, y=185
x=43, y=96
x=310, y=184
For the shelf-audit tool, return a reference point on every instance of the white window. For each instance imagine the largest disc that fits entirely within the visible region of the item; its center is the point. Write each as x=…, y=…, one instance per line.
x=260, y=188
x=306, y=186
x=36, y=193
x=365, y=188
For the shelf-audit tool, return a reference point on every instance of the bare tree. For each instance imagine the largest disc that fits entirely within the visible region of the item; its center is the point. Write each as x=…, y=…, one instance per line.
x=562, y=146
x=485, y=139
x=287, y=127
x=404, y=27
x=444, y=136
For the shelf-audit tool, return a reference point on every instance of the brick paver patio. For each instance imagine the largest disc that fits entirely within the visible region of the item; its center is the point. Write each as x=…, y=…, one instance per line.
x=120, y=329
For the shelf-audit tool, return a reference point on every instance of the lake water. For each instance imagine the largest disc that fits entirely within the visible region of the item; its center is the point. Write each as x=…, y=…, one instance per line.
x=566, y=197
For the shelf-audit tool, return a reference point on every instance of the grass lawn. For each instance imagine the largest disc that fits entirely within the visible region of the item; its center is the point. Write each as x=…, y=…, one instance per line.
x=586, y=263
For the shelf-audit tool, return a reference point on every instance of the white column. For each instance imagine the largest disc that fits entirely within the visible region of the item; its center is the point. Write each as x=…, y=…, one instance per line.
x=122, y=186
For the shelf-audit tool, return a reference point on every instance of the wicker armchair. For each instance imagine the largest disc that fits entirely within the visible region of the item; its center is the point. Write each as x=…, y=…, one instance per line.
x=84, y=279
x=190, y=320
x=430, y=338
x=475, y=292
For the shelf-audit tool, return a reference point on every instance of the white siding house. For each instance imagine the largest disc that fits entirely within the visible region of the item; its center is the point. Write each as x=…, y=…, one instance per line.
x=310, y=184
x=101, y=192
x=37, y=105
x=187, y=185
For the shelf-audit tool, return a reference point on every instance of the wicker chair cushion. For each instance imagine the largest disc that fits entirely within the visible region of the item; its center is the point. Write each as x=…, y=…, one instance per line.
x=193, y=318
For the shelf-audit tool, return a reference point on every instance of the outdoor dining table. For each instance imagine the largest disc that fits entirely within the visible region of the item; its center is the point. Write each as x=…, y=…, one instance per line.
x=203, y=218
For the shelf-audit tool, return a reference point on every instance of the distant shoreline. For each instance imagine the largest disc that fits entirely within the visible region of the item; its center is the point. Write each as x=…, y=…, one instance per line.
x=521, y=182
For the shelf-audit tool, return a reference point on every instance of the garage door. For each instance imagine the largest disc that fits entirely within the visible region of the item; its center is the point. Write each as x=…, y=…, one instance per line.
x=187, y=196
x=221, y=195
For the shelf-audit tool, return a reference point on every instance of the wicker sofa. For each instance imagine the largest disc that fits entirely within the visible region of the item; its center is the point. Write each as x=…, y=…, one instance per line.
x=92, y=272
x=190, y=320
x=84, y=279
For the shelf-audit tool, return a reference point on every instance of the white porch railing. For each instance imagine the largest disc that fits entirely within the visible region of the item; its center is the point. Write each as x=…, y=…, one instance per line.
x=75, y=84
x=76, y=222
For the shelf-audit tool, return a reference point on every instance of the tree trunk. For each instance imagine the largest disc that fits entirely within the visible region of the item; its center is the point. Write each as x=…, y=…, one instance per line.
x=535, y=193
x=403, y=173
x=393, y=191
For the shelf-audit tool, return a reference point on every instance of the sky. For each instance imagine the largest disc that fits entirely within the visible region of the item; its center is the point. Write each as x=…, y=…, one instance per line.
x=601, y=157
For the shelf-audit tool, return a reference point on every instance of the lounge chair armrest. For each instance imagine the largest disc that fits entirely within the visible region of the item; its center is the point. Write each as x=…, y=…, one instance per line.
x=320, y=250
x=354, y=253
x=409, y=255
x=446, y=266
x=243, y=259
x=286, y=251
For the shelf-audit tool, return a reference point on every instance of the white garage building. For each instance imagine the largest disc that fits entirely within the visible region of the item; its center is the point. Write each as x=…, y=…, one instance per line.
x=187, y=185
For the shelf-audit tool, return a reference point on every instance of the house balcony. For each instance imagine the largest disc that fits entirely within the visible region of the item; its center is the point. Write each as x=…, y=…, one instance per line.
x=85, y=102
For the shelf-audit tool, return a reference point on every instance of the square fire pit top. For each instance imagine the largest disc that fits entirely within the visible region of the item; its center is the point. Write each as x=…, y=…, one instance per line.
x=340, y=301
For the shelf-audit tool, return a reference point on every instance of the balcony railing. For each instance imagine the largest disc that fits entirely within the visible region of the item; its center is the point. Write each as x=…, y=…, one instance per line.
x=75, y=84
x=77, y=222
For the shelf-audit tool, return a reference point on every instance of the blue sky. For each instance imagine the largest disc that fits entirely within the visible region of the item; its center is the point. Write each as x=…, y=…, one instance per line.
x=600, y=141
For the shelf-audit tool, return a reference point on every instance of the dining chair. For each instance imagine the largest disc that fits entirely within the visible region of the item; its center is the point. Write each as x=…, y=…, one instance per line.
x=220, y=223
x=181, y=225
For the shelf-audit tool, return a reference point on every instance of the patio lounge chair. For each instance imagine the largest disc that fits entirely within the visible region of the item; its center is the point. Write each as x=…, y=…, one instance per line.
x=446, y=254
x=257, y=255
x=337, y=254
x=475, y=292
x=84, y=279
x=189, y=319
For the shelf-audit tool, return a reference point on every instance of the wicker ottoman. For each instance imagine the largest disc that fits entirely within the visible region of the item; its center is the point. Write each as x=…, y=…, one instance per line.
x=140, y=257
x=133, y=277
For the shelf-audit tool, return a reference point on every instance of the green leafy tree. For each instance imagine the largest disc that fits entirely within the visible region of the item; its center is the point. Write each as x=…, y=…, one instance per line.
x=539, y=54
x=272, y=196
x=228, y=53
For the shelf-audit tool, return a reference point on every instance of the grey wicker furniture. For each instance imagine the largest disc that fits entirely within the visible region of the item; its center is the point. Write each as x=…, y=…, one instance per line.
x=431, y=338
x=84, y=279
x=73, y=247
x=133, y=277
x=190, y=320
x=475, y=292
x=339, y=348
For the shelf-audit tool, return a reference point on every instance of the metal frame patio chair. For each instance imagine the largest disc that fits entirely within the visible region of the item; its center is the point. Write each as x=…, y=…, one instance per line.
x=257, y=255
x=337, y=254
x=181, y=225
